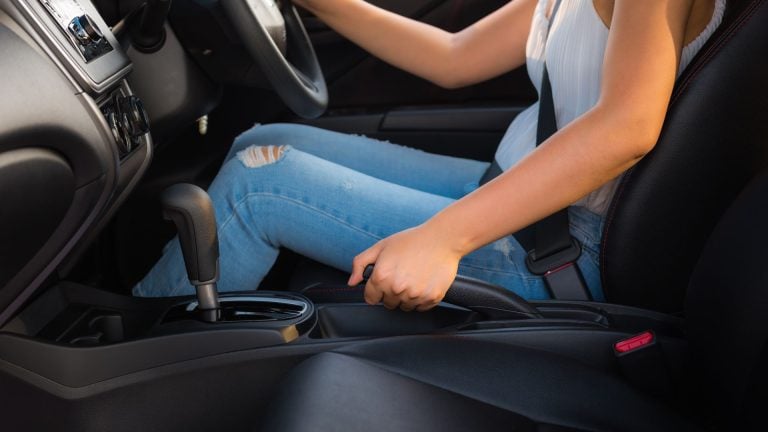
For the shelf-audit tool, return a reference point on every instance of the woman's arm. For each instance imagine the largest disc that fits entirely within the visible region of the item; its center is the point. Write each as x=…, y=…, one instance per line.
x=414, y=268
x=488, y=48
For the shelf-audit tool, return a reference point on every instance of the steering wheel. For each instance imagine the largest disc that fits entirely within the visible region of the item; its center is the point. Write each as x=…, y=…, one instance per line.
x=274, y=36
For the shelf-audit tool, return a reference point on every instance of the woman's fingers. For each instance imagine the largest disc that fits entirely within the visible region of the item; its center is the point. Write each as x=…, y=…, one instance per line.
x=422, y=297
x=360, y=262
x=391, y=302
x=408, y=296
x=426, y=306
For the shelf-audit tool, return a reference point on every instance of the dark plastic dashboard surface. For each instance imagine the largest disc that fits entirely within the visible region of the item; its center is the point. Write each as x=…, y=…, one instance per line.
x=96, y=74
x=64, y=181
x=60, y=169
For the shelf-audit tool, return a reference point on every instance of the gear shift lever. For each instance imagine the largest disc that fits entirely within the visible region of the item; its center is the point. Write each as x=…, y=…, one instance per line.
x=190, y=208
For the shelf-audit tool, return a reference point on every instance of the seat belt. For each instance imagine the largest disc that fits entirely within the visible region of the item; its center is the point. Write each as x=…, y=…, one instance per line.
x=552, y=251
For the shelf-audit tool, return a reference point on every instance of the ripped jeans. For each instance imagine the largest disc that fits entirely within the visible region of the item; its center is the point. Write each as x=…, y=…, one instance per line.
x=329, y=196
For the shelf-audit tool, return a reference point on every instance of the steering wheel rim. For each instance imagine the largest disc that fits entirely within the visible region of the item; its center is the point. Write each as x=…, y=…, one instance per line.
x=276, y=39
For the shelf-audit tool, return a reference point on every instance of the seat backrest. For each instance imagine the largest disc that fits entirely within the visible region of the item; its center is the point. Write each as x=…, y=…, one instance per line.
x=727, y=313
x=715, y=139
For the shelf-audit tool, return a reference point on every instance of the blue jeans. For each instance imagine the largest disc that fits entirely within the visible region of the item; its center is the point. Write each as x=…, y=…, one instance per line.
x=330, y=196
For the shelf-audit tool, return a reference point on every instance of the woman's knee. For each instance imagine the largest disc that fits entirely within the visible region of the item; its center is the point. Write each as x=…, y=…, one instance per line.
x=244, y=172
x=259, y=156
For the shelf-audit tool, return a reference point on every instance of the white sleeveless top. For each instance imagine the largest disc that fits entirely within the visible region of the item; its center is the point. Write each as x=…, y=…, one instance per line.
x=574, y=54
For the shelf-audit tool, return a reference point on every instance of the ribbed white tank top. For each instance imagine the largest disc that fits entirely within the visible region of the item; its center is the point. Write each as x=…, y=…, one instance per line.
x=574, y=54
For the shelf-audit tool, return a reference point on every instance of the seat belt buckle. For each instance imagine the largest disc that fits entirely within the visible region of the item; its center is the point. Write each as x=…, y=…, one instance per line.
x=567, y=283
x=642, y=362
x=560, y=272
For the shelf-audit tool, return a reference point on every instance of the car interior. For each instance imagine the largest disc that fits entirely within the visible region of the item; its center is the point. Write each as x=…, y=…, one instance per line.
x=117, y=114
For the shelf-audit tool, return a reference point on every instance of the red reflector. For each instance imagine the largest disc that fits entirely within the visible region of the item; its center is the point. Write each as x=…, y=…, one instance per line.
x=635, y=342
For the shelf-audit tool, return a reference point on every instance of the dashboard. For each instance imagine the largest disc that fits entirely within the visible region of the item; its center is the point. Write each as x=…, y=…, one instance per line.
x=74, y=142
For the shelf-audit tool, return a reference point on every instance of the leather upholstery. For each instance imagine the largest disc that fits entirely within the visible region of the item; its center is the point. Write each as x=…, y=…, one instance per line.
x=714, y=141
x=727, y=306
x=445, y=384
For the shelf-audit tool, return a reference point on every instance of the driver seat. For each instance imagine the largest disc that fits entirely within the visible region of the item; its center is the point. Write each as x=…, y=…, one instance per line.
x=460, y=383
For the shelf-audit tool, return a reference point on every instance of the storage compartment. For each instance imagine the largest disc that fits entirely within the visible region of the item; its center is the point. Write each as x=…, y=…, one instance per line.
x=363, y=320
x=85, y=326
x=346, y=320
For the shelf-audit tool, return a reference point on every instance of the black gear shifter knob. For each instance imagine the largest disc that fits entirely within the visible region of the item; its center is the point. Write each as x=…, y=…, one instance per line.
x=191, y=209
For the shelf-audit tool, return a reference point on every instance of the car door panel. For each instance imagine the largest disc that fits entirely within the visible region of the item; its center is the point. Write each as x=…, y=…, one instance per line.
x=462, y=131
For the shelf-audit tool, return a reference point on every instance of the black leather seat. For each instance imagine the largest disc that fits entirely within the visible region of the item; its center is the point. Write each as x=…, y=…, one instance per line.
x=441, y=383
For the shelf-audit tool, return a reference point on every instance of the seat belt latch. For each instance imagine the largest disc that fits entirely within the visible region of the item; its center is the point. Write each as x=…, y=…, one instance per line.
x=561, y=274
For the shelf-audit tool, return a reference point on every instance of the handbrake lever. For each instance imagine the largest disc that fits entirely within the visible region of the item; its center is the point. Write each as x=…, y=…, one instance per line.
x=491, y=301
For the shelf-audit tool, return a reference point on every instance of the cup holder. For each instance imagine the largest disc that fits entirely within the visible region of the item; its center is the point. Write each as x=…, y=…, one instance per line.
x=262, y=307
x=84, y=326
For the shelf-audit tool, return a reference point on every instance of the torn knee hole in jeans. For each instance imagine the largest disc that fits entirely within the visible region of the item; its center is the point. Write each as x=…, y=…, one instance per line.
x=257, y=156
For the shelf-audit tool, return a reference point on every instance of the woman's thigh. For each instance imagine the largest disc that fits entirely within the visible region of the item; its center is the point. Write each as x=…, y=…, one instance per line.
x=330, y=213
x=437, y=174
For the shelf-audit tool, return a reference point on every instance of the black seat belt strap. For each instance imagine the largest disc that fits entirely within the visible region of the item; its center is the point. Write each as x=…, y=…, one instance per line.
x=554, y=251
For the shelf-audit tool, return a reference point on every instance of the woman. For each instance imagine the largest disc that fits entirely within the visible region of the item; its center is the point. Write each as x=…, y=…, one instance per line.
x=421, y=217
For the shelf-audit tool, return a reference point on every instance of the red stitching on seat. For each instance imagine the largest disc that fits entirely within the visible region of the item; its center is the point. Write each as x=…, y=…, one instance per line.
x=706, y=57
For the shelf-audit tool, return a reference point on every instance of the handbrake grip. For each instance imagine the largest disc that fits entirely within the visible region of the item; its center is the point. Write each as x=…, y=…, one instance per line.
x=491, y=301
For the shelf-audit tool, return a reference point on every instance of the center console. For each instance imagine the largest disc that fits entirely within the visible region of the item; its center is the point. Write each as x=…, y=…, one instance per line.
x=225, y=355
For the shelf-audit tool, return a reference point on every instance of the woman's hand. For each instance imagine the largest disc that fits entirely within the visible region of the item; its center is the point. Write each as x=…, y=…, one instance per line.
x=414, y=269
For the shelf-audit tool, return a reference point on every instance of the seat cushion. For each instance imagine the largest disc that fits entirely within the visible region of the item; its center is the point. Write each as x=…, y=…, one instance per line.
x=457, y=384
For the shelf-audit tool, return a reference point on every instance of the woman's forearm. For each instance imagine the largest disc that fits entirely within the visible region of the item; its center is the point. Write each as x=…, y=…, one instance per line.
x=446, y=59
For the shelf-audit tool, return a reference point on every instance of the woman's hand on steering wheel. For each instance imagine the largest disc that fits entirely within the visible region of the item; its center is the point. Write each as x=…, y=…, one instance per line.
x=414, y=269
